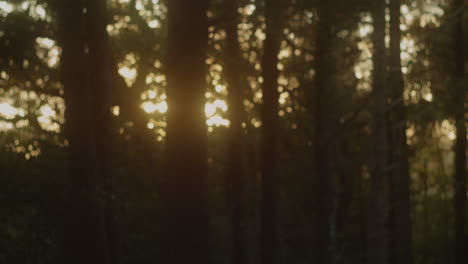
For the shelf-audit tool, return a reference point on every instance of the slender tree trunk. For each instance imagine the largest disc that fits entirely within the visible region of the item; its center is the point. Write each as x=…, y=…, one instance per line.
x=425, y=210
x=143, y=137
x=363, y=212
x=269, y=130
x=460, y=144
x=236, y=173
x=99, y=59
x=376, y=234
x=400, y=178
x=186, y=142
x=83, y=242
x=323, y=86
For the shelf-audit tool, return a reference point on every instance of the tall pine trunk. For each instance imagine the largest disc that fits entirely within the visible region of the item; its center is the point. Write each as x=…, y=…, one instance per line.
x=83, y=229
x=186, y=142
x=235, y=173
x=99, y=73
x=376, y=234
x=269, y=131
x=399, y=175
x=460, y=202
x=323, y=87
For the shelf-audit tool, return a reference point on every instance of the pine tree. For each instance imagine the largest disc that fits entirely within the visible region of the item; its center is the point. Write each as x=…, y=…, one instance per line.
x=376, y=234
x=83, y=229
x=100, y=88
x=235, y=168
x=269, y=146
x=186, y=141
x=323, y=87
x=460, y=147
x=399, y=175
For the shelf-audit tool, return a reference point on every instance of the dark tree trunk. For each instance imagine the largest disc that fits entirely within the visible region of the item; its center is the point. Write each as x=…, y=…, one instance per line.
x=235, y=173
x=186, y=142
x=323, y=87
x=399, y=175
x=143, y=137
x=269, y=131
x=460, y=144
x=99, y=73
x=83, y=240
x=376, y=234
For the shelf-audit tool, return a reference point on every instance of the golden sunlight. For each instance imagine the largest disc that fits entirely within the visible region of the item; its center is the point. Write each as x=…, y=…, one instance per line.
x=211, y=108
x=217, y=121
x=5, y=7
x=129, y=74
x=150, y=107
x=10, y=112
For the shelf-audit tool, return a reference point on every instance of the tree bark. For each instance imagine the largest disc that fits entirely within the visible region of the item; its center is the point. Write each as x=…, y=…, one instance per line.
x=269, y=147
x=323, y=87
x=399, y=175
x=236, y=172
x=186, y=141
x=460, y=202
x=100, y=87
x=83, y=241
x=377, y=235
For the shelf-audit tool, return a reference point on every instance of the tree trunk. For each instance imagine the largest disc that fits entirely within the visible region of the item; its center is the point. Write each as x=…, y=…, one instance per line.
x=323, y=87
x=377, y=235
x=100, y=87
x=186, y=142
x=143, y=137
x=399, y=175
x=460, y=144
x=236, y=173
x=83, y=241
x=269, y=149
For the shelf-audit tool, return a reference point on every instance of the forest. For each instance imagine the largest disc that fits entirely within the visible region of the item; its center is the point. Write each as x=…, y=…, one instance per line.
x=233, y=131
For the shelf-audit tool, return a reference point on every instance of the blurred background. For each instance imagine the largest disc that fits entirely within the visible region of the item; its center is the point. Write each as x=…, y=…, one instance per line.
x=296, y=131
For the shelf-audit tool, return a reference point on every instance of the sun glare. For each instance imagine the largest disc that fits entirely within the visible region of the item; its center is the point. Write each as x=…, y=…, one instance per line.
x=129, y=74
x=217, y=121
x=5, y=7
x=150, y=107
x=212, y=108
x=152, y=101
x=10, y=112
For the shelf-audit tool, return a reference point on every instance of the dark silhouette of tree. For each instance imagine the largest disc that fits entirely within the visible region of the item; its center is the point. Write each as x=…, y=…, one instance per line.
x=270, y=248
x=100, y=89
x=401, y=235
x=186, y=143
x=235, y=168
x=143, y=137
x=323, y=88
x=460, y=143
x=84, y=239
x=376, y=234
